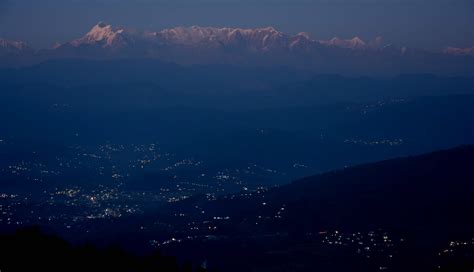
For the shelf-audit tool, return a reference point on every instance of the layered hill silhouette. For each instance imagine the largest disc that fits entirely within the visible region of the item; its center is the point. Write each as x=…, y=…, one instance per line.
x=432, y=191
x=426, y=199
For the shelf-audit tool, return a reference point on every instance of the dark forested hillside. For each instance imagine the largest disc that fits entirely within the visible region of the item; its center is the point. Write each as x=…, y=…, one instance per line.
x=433, y=189
x=430, y=190
x=32, y=250
x=424, y=200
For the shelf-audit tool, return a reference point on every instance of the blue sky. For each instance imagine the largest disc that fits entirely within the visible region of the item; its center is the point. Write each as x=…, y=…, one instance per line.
x=417, y=23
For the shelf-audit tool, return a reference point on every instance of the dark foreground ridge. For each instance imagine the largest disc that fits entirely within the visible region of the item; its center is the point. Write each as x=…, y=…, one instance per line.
x=32, y=250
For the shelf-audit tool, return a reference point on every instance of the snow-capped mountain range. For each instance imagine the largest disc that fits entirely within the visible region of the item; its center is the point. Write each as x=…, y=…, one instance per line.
x=211, y=45
x=258, y=39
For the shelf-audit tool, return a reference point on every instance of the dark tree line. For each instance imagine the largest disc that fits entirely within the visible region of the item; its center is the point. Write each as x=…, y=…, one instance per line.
x=32, y=250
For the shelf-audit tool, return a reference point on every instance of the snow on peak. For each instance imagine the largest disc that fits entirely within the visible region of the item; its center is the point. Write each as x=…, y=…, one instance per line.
x=357, y=42
x=354, y=43
x=250, y=39
x=253, y=39
x=301, y=41
x=304, y=35
x=197, y=34
x=269, y=29
x=101, y=33
x=106, y=36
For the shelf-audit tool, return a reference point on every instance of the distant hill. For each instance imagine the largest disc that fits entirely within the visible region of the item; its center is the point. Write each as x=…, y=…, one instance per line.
x=427, y=200
x=433, y=190
x=427, y=191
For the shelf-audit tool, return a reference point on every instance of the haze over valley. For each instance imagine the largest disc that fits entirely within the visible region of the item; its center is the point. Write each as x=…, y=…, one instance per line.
x=202, y=148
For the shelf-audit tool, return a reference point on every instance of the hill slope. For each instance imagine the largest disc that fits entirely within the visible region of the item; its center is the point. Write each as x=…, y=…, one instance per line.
x=434, y=188
x=425, y=199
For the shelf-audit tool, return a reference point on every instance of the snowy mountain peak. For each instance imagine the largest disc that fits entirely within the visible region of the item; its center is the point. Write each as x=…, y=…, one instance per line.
x=269, y=29
x=101, y=33
x=255, y=39
x=264, y=39
x=304, y=35
x=354, y=43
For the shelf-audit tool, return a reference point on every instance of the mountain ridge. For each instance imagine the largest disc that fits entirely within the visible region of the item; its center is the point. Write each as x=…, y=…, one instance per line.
x=195, y=34
x=423, y=199
x=342, y=197
x=261, y=47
